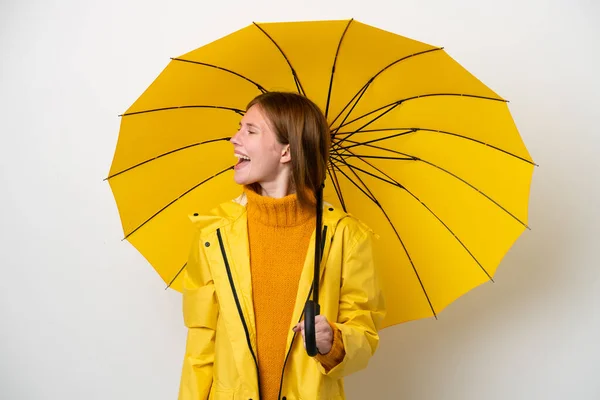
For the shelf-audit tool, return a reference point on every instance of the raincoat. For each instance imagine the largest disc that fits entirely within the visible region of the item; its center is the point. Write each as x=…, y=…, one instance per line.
x=220, y=360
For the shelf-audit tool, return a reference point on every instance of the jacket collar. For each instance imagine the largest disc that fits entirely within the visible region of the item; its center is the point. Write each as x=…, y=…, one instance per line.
x=228, y=212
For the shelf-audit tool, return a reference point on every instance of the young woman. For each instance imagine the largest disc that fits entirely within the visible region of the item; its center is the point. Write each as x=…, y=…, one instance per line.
x=251, y=267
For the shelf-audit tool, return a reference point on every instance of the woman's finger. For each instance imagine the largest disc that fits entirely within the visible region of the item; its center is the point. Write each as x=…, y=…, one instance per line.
x=299, y=327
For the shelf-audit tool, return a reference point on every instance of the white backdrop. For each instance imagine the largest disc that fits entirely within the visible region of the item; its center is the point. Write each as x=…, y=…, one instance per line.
x=84, y=317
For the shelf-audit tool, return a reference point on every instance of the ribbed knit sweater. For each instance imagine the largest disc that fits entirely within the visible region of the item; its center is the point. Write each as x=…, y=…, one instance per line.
x=279, y=232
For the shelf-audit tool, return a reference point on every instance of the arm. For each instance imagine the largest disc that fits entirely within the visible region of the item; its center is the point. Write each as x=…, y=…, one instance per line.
x=361, y=308
x=200, y=313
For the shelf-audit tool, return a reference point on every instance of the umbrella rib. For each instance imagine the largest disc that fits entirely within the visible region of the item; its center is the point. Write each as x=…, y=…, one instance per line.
x=384, y=158
x=393, y=182
x=336, y=186
x=415, y=158
x=391, y=106
x=173, y=201
x=359, y=95
x=478, y=142
x=295, y=75
x=398, y=102
x=366, y=188
x=176, y=275
x=337, y=52
x=369, y=195
x=428, y=130
x=406, y=132
x=259, y=86
x=235, y=110
x=370, y=81
x=166, y=154
x=336, y=183
x=476, y=189
x=397, y=236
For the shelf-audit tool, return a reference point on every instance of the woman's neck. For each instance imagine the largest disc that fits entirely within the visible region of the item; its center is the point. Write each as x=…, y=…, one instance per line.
x=274, y=191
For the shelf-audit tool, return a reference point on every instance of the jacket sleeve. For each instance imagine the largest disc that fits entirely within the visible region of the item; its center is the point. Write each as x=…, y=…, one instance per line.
x=361, y=308
x=200, y=313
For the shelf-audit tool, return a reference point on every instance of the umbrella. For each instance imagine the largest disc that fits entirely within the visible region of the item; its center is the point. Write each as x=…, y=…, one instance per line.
x=422, y=151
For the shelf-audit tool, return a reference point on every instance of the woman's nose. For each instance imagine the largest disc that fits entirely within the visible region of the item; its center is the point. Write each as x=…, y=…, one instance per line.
x=234, y=139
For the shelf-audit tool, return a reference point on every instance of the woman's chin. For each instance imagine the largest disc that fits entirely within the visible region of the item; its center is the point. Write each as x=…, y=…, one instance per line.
x=242, y=180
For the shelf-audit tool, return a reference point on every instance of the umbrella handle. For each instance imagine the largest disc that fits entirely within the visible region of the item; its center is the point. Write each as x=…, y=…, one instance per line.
x=311, y=310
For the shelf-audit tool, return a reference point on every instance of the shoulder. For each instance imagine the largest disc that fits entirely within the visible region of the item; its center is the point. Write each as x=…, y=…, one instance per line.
x=346, y=225
x=219, y=216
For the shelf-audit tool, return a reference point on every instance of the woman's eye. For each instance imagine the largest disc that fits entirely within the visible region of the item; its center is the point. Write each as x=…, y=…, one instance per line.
x=251, y=132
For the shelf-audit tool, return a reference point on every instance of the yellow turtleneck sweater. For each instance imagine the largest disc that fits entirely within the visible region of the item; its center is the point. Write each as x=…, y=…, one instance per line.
x=279, y=232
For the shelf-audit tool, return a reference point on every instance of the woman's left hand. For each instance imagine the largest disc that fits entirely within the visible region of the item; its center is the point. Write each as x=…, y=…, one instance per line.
x=323, y=334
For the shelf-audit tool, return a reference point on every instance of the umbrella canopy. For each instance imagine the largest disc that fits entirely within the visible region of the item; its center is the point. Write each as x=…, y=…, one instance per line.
x=422, y=152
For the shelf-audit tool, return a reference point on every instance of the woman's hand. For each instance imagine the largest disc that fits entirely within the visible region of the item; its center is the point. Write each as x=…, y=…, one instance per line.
x=323, y=334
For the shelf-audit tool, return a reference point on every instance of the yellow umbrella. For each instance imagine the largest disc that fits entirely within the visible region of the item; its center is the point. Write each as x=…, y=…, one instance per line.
x=422, y=152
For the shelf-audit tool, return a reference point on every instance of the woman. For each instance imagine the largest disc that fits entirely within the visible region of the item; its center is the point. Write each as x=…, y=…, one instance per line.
x=251, y=267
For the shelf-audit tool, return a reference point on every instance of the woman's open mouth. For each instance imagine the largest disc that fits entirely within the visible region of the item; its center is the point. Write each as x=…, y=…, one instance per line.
x=242, y=160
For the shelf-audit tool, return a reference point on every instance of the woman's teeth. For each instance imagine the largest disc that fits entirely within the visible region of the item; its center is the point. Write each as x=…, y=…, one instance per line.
x=242, y=159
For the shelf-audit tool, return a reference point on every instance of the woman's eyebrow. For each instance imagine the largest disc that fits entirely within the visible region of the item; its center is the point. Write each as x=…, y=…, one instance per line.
x=250, y=124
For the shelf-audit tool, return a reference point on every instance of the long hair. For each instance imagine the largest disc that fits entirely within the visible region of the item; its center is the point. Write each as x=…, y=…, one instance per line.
x=299, y=122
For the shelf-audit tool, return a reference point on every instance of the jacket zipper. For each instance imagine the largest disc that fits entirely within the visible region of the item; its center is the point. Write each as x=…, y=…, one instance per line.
x=239, y=307
x=210, y=390
x=323, y=236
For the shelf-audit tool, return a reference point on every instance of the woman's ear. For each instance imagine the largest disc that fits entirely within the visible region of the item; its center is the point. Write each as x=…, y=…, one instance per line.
x=286, y=155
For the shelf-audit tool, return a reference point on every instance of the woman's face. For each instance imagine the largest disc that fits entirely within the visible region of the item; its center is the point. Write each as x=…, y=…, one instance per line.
x=261, y=158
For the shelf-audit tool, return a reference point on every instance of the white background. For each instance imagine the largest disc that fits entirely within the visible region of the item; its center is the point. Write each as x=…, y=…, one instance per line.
x=83, y=316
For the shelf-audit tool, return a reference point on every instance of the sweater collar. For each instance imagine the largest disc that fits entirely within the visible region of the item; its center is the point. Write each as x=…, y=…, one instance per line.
x=285, y=211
